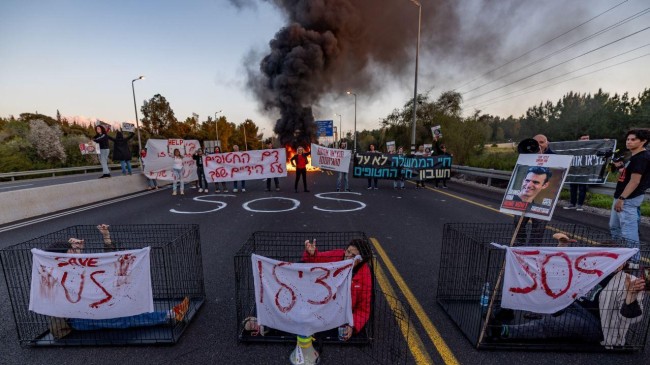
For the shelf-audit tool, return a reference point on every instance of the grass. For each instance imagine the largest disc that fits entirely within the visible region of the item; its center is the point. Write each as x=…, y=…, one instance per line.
x=603, y=201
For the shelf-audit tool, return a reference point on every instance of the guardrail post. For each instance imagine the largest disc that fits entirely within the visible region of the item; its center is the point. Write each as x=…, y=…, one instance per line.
x=489, y=181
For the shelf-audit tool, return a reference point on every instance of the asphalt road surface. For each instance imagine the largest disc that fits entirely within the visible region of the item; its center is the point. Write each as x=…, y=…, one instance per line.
x=406, y=224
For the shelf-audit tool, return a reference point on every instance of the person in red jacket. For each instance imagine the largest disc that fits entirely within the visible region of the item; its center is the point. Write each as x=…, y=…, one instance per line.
x=299, y=161
x=361, y=277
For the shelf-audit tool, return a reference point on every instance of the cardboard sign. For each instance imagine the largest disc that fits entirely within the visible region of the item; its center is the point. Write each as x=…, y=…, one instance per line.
x=128, y=127
x=175, y=143
x=330, y=158
x=91, y=148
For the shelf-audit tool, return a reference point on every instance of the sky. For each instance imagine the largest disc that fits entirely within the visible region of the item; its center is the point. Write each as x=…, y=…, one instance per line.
x=79, y=57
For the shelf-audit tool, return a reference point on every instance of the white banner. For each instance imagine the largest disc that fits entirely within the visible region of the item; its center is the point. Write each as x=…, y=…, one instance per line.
x=91, y=286
x=330, y=158
x=302, y=298
x=548, y=279
x=248, y=165
x=159, y=162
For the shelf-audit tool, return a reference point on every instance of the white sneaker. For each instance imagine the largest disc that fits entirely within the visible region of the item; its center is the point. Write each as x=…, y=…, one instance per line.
x=174, y=193
x=579, y=208
x=234, y=190
x=243, y=190
x=569, y=207
x=200, y=190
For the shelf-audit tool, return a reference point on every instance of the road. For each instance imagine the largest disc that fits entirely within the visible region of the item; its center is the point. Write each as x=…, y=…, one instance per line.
x=406, y=224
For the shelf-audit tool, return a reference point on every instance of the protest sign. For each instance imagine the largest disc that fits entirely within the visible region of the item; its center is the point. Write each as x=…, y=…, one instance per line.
x=91, y=286
x=330, y=158
x=548, y=279
x=128, y=127
x=91, y=148
x=535, y=185
x=390, y=147
x=175, y=143
x=158, y=162
x=107, y=127
x=436, y=131
x=302, y=298
x=246, y=165
x=383, y=166
x=590, y=159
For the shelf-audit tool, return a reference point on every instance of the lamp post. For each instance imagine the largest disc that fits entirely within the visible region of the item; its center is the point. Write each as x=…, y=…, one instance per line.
x=243, y=126
x=354, y=151
x=216, y=129
x=415, y=88
x=340, y=130
x=135, y=107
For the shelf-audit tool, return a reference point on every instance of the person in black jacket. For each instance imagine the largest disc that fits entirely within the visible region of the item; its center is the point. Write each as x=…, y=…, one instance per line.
x=121, y=151
x=198, y=159
x=102, y=138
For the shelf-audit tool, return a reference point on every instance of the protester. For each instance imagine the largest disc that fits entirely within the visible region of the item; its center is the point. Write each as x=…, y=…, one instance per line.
x=632, y=183
x=361, y=289
x=235, y=148
x=342, y=181
x=217, y=149
x=604, y=314
x=372, y=182
x=418, y=181
x=443, y=153
x=177, y=171
x=299, y=161
x=269, y=145
x=151, y=182
x=543, y=144
x=61, y=327
x=102, y=138
x=398, y=183
x=121, y=151
x=198, y=158
x=578, y=191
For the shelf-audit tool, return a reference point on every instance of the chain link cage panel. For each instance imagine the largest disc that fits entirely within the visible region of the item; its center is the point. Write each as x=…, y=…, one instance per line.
x=469, y=263
x=384, y=338
x=176, y=274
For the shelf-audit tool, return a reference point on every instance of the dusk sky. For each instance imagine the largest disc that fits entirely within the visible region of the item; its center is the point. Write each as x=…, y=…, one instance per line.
x=80, y=56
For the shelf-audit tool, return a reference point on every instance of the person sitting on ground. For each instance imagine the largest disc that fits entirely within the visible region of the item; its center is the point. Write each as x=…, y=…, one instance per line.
x=361, y=277
x=604, y=314
x=61, y=327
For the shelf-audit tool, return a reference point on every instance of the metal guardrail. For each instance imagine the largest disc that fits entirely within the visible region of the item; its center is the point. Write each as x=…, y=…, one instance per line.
x=13, y=175
x=605, y=189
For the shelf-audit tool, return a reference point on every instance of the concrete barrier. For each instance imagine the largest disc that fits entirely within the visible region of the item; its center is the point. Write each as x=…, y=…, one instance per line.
x=27, y=203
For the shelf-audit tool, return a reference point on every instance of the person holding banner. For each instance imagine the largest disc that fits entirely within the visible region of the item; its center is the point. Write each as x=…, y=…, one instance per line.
x=177, y=170
x=61, y=327
x=399, y=182
x=372, y=182
x=299, y=161
x=101, y=137
x=361, y=290
x=121, y=151
x=578, y=191
x=217, y=149
x=604, y=314
x=269, y=145
x=235, y=148
x=342, y=181
x=198, y=158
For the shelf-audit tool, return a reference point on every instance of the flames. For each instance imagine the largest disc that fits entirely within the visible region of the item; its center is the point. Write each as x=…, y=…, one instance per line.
x=292, y=152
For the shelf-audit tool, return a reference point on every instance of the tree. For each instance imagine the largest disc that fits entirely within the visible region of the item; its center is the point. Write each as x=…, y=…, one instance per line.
x=157, y=115
x=47, y=141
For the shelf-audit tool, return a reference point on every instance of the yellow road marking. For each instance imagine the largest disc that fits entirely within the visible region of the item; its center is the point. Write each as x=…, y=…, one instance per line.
x=467, y=200
x=408, y=330
x=444, y=350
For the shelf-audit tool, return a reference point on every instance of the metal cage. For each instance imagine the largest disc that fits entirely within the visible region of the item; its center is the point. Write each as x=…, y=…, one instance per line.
x=468, y=262
x=176, y=273
x=384, y=338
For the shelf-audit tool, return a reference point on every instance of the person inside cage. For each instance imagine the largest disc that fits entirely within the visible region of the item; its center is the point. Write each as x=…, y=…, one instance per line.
x=604, y=314
x=361, y=278
x=61, y=327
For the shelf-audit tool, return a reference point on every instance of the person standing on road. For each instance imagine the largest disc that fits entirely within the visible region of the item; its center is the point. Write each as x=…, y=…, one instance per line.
x=121, y=151
x=632, y=183
x=198, y=159
x=177, y=171
x=269, y=145
x=443, y=153
x=235, y=148
x=398, y=183
x=342, y=182
x=151, y=182
x=372, y=181
x=578, y=191
x=299, y=161
x=102, y=138
x=217, y=149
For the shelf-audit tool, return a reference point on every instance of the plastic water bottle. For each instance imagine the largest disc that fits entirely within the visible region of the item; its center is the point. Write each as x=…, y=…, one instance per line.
x=485, y=298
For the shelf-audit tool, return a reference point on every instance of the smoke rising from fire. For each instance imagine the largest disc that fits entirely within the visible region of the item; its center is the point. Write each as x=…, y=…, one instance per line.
x=330, y=46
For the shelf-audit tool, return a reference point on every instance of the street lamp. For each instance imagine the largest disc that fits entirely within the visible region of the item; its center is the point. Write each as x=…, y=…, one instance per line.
x=135, y=106
x=216, y=128
x=355, y=121
x=340, y=130
x=243, y=126
x=415, y=88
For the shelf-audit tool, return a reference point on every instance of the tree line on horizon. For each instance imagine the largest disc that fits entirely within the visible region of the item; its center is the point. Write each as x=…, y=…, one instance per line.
x=37, y=141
